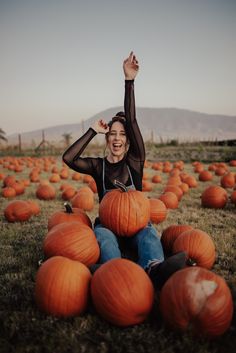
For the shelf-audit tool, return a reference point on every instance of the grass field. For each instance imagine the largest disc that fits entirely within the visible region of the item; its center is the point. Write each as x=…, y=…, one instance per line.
x=23, y=328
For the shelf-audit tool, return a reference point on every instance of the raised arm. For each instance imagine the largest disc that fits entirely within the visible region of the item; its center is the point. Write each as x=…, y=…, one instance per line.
x=136, y=148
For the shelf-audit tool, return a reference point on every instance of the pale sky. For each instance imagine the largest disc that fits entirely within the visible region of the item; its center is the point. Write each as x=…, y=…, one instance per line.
x=61, y=60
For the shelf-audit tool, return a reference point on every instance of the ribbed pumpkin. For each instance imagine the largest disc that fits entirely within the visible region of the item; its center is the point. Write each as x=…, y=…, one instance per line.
x=64, y=173
x=170, y=199
x=84, y=198
x=184, y=187
x=198, y=168
x=46, y=192
x=175, y=189
x=69, y=215
x=220, y=171
x=122, y=292
x=205, y=175
x=34, y=207
x=158, y=211
x=174, y=179
x=17, y=211
x=19, y=187
x=68, y=193
x=62, y=287
x=8, y=192
x=9, y=180
x=233, y=197
x=228, y=180
x=170, y=234
x=197, y=299
x=147, y=185
x=76, y=176
x=199, y=246
x=191, y=181
x=93, y=186
x=64, y=186
x=156, y=179
x=124, y=212
x=74, y=240
x=54, y=178
x=214, y=197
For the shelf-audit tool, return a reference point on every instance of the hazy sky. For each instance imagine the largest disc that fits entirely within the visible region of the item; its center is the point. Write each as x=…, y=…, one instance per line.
x=61, y=60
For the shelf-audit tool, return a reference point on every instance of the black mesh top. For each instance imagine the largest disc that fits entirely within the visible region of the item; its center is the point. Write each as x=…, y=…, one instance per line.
x=134, y=158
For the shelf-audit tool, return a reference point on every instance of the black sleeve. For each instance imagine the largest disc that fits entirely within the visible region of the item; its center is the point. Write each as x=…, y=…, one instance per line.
x=136, y=149
x=72, y=158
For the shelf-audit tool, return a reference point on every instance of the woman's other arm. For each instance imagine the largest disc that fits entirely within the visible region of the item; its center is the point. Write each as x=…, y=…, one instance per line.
x=71, y=156
x=136, y=149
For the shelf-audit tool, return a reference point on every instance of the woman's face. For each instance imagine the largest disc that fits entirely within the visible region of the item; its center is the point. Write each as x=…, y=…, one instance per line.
x=117, y=140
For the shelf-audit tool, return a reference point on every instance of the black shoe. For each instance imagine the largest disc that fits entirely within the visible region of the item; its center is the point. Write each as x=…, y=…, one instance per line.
x=159, y=272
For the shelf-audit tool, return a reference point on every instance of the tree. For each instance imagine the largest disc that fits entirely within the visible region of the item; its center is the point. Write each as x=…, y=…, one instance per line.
x=67, y=136
x=2, y=135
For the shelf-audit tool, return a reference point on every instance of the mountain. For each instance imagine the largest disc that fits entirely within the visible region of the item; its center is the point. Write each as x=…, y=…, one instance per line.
x=158, y=124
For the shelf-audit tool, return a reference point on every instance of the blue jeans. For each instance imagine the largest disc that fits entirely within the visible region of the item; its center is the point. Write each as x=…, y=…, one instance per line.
x=146, y=242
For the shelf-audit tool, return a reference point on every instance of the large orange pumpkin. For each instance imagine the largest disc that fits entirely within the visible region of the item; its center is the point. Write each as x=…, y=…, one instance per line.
x=62, y=287
x=122, y=292
x=74, y=240
x=170, y=234
x=17, y=211
x=198, y=299
x=69, y=215
x=125, y=212
x=214, y=197
x=199, y=246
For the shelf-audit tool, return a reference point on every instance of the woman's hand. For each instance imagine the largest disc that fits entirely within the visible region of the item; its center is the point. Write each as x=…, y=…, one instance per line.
x=130, y=67
x=100, y=126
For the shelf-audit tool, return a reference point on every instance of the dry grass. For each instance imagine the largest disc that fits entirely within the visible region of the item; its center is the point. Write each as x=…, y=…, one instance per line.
x=25, y=329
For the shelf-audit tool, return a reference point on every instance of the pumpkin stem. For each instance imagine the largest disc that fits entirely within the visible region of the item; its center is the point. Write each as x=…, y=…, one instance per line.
x=191, y=262
x=120, y=186
x=68, y=207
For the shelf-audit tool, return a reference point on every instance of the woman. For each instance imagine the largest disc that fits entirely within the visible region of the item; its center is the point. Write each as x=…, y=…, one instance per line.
x=125, y=163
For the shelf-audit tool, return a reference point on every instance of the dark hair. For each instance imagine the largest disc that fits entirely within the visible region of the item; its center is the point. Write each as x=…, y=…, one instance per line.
x=120, y=117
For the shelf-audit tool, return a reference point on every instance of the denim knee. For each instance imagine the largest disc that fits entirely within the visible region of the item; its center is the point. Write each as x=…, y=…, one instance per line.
x=103, y=234
x=149, y=246
x=108, y=243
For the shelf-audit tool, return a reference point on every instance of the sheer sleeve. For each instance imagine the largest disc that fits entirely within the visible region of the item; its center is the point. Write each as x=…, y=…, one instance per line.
x=136, y=149
x=72, y=158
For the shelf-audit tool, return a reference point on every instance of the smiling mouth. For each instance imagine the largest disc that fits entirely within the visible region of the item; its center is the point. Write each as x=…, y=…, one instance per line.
x=117, y=145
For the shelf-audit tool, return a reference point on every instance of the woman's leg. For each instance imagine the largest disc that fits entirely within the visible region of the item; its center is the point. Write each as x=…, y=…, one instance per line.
x=151, y=256
x=148, y=245
x=109, y=247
